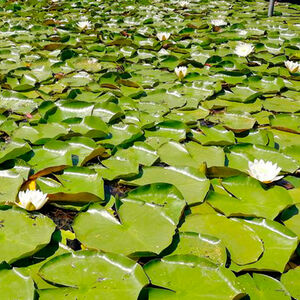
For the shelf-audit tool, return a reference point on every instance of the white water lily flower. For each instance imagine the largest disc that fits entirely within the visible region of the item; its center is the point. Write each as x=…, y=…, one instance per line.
x=242, y=32
x=32, y=200
x=184, y=3
x=218, y=22
x=293, y=67
x=163, y=51
x=163, y=36
x=243, y=49
x=264, y=171
x=84, y=25
x=181, y=72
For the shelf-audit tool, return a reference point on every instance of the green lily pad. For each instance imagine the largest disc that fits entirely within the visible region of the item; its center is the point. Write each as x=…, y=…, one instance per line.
x=69, y=109
x=14, y=284
x=291, y=281
x=240, y=155
x=81, y=183
x=192, y=184
x=186, y=276
x=90, y=126
x=247, y=197
x=106, y=275
x=241, y=94
x=41, y=133
x=279, y=244
x=162, y=194
x=216, y=135
x=266, y=84
x=280, y=104
x=107, y=111
x=171, y=129
x=234, y=122
x=13, y=149
x=144, y=228
x=261, y=287
x=291, y=218
x=59, y=153
x=191, y=154
x=243, y=243
x=286, y=122
x=36, y=233
x=17, y=102
x=122, y=134
x=10, y=183
x=201, y=245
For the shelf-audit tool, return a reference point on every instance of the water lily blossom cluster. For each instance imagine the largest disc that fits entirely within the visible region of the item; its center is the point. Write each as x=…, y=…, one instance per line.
x=31, y=199
x=163, y=36
x=218, y=22
x=243, y=49
x=264, y=171
x=181, y=72
x=292, y=66
x=82, y=25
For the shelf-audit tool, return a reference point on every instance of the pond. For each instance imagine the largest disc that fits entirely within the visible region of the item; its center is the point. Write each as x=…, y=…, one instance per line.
x=149, y=150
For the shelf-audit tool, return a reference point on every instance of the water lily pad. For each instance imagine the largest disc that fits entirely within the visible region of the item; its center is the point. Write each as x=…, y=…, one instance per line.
x=17, y=102
x=191, y=154
x=171, y=129
x=162, y=194
x=122, y=134
x=279, y=244
x=247, y=197
x=68, y=110
x=192, y=184
x=58, y=153
x=36, y=233
x=41, y=133
x=240, y=155
x=14, y=284
x=263, y=287
x=201, y=245
x=13, y=149
x=286, y=122
x=144, y=228
x=93, y=274
x=291, y=218
x=235, y=122
x=90, y=126
x=187, y=276
x=291, y=281
x=241, y=94
x=242, y=242
x=82, y=184
x=280, y=104
x=10, y=183
x=216, y=135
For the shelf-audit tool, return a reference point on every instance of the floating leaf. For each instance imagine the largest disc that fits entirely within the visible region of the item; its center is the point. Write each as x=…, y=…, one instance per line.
x=36, y=233
x=84, y=184
x=106, y=275
x=291, y=281
x=243, y=243
x=263, y=287
x=201, y=245
x=279, y=244
x=192, y=184
x=240, y=155
x=247, y=197
x=14, y=284
x=184, y=276
x=191, y=154
x=143, y=228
